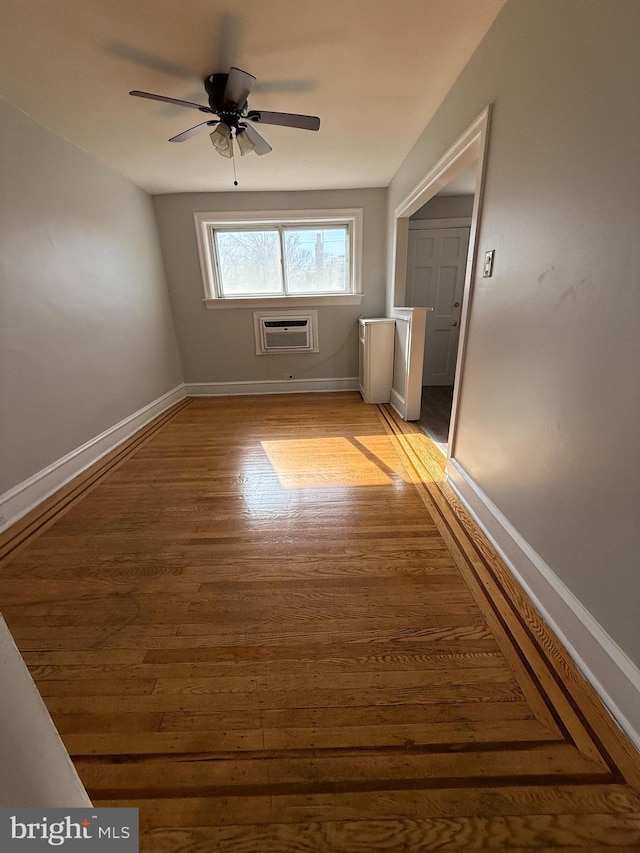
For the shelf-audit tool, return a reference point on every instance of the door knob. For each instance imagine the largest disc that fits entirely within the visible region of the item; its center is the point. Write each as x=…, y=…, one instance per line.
x=456, y=304
x=455, y=323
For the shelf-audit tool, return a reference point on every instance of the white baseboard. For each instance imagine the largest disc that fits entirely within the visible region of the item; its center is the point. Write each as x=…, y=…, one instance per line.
x=24, y=497
x=270, y=386
x=603, y=663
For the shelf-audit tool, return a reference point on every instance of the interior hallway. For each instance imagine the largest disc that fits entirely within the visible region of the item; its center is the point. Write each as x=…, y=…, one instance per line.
x=435, y=413
x=268, y=630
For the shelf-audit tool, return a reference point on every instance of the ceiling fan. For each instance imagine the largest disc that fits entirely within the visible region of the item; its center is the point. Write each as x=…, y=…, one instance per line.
x=227, y=95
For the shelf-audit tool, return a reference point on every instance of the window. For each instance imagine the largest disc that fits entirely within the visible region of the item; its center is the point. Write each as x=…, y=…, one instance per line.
x=280, y=258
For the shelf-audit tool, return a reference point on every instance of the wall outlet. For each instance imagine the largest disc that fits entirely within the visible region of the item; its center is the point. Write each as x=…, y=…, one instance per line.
x=287, y=376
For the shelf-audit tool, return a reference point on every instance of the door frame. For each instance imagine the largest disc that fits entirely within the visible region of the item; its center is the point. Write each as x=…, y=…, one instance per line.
x=470, y=147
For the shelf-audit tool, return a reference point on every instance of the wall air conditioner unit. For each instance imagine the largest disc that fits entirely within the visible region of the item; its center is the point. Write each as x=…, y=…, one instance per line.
x=286, y=332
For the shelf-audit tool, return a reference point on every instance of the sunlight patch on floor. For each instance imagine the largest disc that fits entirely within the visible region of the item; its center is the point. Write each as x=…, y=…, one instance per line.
x=425, y=456
x=332, y=462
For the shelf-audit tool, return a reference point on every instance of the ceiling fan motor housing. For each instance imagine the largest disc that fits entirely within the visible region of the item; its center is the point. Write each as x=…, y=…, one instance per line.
x=215, y=85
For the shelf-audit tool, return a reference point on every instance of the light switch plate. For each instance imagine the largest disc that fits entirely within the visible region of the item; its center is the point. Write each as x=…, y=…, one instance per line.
x=487, y=271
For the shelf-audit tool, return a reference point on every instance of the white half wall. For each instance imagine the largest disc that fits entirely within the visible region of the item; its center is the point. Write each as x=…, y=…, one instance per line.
x=36, y=768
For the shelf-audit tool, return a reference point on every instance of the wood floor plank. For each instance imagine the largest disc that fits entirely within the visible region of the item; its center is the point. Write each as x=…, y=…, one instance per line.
x=101, y=722
x=389, y=679
x=346, y=769
x=411, y=734
x=314, y=685
x=270, y=627
x=210, y=738
x=196, y=664
x=214, y=739
x=368, y=805
x=97, y=687
x=408, y=836
x=371, y=715
x=391, y=628
x=59, y=661
x=289, y=699
x=458, y=645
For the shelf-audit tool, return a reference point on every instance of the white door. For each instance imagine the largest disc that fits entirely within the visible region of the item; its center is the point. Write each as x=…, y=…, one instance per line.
x=436, y=265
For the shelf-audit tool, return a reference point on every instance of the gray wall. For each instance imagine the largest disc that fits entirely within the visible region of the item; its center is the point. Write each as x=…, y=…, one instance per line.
x=550, y=402
x=446, y=207
x=218, y=345
x=86, y=336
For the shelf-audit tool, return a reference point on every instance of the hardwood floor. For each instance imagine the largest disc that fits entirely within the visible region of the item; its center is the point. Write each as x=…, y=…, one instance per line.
x=272, y=628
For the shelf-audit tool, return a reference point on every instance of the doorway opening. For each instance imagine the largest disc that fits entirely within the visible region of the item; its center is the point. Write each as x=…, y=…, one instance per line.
x=437, y=253
x=434, y=261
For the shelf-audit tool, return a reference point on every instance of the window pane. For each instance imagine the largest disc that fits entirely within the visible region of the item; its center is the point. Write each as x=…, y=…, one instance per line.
x=317, y=259
x=249, y=262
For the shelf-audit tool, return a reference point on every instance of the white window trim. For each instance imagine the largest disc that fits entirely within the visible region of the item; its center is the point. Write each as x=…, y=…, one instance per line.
x=205, y=222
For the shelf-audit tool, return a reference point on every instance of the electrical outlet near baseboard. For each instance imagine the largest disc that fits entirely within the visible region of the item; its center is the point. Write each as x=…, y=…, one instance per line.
x=287, y=376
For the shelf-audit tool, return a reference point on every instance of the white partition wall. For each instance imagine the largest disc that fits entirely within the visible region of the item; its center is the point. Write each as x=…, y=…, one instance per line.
x=406, y=391
x=35, y=768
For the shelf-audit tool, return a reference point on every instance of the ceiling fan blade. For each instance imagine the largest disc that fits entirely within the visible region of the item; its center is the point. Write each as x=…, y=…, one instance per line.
x=187, y=134
x=150, y=60
x=166, y=100
x=239, y=85
x=284, y=119
x=261, y=144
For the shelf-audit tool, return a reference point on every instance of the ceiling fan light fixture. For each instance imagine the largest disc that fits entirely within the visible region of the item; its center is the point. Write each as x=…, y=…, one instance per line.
x=228, y=104
x=221, y=140
x=245, y=144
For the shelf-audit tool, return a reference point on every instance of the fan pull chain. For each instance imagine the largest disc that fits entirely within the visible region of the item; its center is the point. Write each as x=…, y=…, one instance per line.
x=233, y=157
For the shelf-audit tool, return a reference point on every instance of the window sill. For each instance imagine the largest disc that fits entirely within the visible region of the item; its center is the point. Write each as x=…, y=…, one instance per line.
x=284, y=301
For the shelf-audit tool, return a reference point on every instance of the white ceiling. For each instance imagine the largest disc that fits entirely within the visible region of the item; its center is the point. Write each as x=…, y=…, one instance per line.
x=374, y=71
